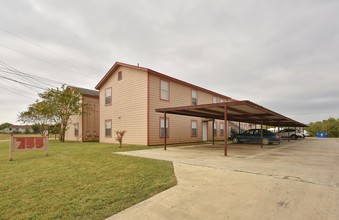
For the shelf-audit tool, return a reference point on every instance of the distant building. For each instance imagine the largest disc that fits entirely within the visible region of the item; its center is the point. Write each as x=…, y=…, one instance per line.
x=18, y=129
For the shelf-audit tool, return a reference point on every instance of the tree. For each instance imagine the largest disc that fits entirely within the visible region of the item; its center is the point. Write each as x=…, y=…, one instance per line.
x=39, y=114
x=55, y=106
x=5, y=125
x=330, y=126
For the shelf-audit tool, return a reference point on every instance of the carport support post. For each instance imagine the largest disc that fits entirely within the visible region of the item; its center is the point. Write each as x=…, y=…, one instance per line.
x=165, y=124
x=226, y=130
x=295, y=132
x=239, y=128
x=213, y=121
x=261, y=133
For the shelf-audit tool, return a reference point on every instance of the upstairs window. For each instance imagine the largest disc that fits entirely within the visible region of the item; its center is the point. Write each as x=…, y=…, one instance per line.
x=162, y=127
x=108, y=96
x=221, y=100
x=164, y=90
x=119, y=76
x=194, y=128
x=194, y=97
x=214, y=99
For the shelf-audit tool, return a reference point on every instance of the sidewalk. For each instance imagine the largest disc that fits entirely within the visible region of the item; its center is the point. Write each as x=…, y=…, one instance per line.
x=292, y=182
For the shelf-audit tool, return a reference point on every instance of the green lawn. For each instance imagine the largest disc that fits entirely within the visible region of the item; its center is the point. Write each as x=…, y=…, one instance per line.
x=4, y=136
x=77, y=181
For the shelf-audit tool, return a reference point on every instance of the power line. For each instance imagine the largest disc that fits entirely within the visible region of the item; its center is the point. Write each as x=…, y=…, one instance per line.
x=49, y=50
x=68, y=69
x=11, y=70
x=17, y=91
x=24, y=79
x=38, y=87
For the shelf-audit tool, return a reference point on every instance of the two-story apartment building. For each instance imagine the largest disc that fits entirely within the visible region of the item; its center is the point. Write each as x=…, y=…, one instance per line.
x=85, y=127
x=129, y=96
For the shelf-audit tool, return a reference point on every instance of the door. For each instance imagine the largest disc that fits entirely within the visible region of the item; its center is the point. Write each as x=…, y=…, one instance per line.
x=204, y=130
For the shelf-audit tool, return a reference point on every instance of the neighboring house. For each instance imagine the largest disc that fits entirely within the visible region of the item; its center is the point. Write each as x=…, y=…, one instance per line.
x=129, y=96
x=18, y=129
x=85, y=127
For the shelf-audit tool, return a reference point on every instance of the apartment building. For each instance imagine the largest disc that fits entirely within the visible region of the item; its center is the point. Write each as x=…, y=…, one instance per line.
x=85, y=127
x=129, y=95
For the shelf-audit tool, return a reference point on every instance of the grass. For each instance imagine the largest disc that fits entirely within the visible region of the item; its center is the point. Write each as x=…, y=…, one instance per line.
x=77, y=181
x=4, y=136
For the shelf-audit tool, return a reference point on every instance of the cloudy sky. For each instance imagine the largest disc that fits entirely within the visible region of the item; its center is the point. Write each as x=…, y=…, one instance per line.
x=283, y=55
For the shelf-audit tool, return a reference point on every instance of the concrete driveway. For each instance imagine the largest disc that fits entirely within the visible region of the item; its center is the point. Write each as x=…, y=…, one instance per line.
x=294, y=180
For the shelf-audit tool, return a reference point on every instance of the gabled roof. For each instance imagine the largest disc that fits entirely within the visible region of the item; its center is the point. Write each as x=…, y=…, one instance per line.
x=88, y=92
x=161, y=75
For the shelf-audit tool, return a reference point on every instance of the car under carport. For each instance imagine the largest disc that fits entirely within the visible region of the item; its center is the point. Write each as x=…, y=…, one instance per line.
x=238, y=111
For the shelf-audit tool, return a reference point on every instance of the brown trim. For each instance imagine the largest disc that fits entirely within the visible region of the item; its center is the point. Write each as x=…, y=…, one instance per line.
x=90, y=96
x=167, y=124
x=113, y=68
x=187, y=84
x=82, y=119
x=169, y=89
x=250, y=113
x=105, y=96
x=99, y=132
x=108, y=136
x=148, y=107
x=196, y=133
x=118, y=64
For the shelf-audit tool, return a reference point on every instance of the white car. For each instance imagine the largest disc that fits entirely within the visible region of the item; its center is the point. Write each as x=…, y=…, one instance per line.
x=291, y=133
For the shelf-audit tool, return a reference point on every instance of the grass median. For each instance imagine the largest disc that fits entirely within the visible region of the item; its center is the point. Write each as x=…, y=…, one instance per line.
x=77, y=181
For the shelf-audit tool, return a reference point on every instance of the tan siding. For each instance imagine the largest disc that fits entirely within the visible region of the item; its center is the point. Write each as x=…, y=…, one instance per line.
x=129, y=106
x=179, y=126
x=69, y=134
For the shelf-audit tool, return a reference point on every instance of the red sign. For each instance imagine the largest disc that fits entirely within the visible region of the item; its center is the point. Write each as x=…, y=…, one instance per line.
x=27, y=143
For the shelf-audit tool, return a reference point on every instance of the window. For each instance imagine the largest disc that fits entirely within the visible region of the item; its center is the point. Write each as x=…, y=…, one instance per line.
x=215, y=128
x=164, y=90
x=76, y=129
x=194, y=97
x=108, y=128
x=221, y=129
x=194, y=128
x=119, y=76
x=162, y=127
x=214, y=99
x=108, y=96
x=221, y=100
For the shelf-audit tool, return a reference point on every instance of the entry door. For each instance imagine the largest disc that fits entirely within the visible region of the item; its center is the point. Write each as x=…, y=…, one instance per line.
x=204, y=130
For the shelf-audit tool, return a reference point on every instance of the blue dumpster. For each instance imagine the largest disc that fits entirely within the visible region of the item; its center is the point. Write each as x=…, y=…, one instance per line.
x=321, y=135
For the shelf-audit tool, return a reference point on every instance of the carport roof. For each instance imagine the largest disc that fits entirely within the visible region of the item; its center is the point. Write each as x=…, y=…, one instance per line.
x=241, y=111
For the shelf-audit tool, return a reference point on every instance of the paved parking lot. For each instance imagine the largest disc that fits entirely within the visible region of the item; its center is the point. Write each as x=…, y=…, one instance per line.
x=294, y=180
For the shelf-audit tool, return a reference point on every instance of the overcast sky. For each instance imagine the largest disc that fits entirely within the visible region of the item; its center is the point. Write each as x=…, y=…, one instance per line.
x=283, y=55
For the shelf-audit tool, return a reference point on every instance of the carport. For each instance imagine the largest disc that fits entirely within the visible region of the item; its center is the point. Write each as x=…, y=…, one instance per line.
x=239, y=111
